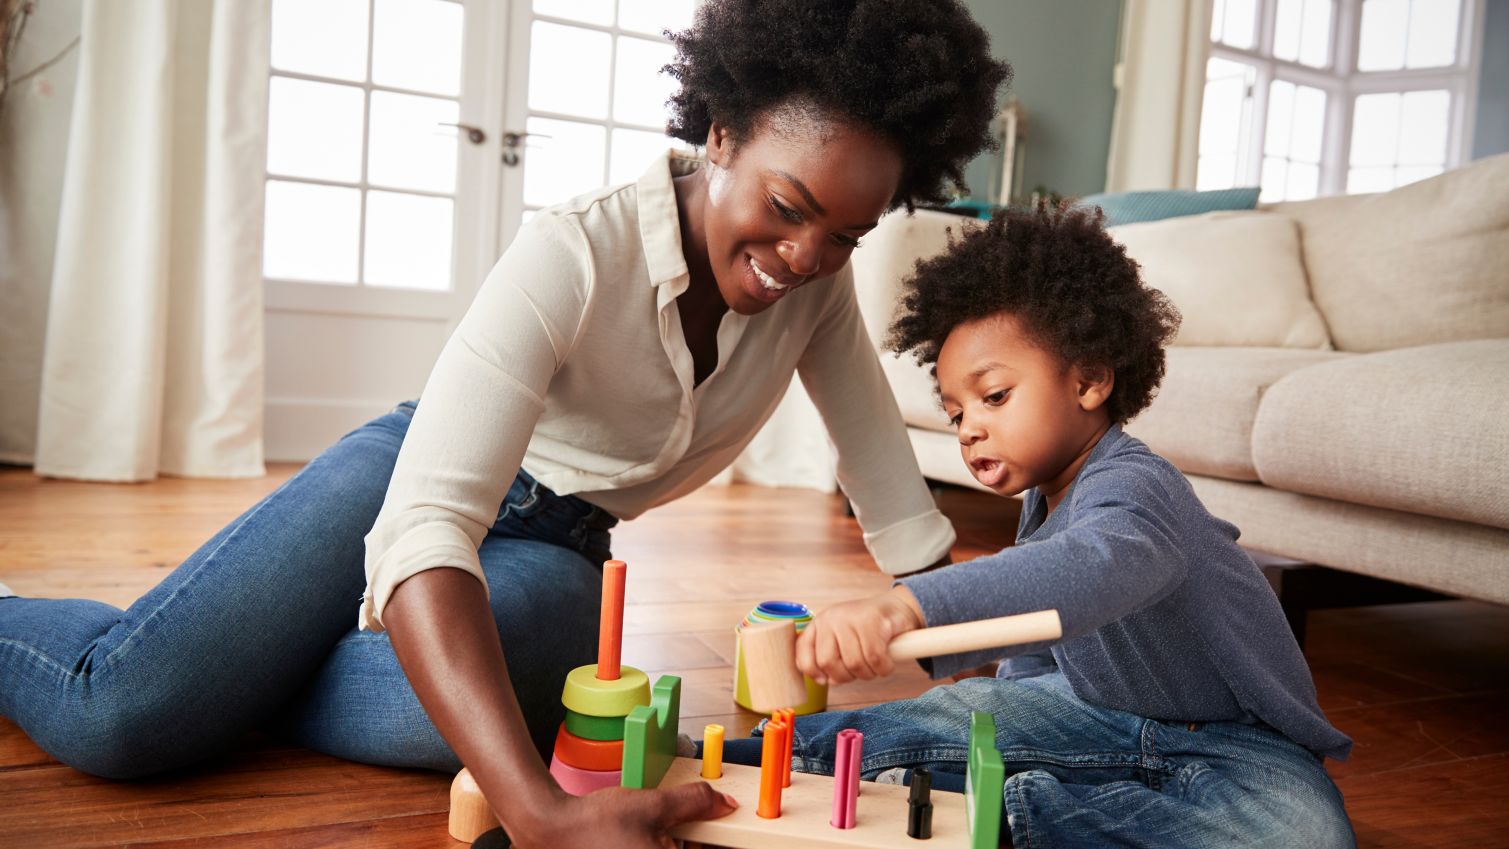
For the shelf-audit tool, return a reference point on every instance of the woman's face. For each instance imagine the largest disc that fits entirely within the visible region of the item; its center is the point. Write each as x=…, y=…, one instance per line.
x=790, y=204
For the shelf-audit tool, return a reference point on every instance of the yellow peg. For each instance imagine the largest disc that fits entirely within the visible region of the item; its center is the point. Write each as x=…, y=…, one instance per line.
x=712, y=751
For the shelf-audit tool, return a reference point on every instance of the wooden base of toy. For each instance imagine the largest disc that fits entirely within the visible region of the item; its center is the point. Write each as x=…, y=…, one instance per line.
x=470, y=813
x=880, y=821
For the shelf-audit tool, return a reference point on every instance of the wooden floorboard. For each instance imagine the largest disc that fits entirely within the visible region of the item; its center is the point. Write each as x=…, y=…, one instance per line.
x=1421, y=688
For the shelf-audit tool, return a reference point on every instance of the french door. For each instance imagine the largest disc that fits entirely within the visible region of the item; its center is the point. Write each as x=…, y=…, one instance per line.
x=407, y=141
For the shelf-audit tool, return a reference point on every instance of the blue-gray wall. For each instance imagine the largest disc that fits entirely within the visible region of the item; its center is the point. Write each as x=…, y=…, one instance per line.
x=1063, y=52
x=1491, y=134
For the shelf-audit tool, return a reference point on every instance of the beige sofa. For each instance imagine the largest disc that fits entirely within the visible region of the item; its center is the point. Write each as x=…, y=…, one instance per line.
x=1340, y=386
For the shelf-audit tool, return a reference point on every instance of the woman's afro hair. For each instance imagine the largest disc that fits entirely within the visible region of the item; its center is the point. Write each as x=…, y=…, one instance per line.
x=918, y=72
x=1058, y=272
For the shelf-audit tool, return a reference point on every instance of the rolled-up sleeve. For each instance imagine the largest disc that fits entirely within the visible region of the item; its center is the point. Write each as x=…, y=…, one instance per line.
x=903, y=529
x=478, y=411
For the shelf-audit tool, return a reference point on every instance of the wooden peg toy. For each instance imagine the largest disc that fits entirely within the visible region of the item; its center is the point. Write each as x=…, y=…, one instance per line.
x=770, y=650
x=787, y=716
x=712, y=751
x=599, y=697
x=772, y=756
x=610, y=629
x=470, y=814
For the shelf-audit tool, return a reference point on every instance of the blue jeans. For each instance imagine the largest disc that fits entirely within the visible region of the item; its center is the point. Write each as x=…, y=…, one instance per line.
x=257, y=630
x=1086, y=776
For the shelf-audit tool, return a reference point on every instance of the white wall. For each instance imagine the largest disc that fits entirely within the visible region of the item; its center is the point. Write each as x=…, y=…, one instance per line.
x=33, y=146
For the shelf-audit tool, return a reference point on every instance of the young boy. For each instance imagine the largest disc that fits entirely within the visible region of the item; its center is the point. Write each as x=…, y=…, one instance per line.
x=1177, y=710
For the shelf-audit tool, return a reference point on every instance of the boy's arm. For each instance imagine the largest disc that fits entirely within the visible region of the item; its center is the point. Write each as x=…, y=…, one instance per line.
x=1118, y=555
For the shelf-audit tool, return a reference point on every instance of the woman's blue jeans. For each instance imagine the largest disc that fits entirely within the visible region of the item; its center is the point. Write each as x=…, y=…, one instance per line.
x=1079, y=775
x=257, y=630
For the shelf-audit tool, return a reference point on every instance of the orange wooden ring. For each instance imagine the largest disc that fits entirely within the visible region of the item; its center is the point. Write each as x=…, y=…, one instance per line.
x=597, y=755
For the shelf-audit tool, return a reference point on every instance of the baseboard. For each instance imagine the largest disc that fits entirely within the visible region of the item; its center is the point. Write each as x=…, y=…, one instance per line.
x=298, y=429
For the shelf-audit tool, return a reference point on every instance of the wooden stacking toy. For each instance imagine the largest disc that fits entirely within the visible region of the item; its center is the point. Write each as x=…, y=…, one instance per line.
x=589, y=748
x=765, y=613
x=619, y=731
x=769, y=650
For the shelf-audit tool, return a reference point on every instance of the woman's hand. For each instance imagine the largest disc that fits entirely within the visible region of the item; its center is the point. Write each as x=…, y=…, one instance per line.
x=635, y=819
x=850, y=640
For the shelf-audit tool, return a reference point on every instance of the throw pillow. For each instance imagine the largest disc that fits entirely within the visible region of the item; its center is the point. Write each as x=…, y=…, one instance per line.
x=1236, y=277
x=1422, y=264
x=1133, y=207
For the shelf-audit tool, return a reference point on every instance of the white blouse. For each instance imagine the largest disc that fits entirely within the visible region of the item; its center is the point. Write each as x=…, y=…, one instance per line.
x=571, y=363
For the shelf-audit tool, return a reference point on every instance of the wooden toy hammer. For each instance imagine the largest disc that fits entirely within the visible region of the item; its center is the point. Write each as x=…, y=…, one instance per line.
x=775, y=682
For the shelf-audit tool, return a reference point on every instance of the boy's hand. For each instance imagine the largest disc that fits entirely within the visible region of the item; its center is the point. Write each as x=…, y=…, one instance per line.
x=850, y=640
x=634, y=819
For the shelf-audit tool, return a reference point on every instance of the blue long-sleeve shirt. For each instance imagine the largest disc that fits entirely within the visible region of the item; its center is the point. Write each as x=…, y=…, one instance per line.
x=1164, y=615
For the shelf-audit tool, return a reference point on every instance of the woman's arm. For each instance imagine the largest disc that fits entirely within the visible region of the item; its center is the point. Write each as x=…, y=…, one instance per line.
x=903, y=528
x=445, y=638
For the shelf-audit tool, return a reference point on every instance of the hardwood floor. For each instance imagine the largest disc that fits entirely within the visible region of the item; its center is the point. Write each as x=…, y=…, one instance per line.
x=1423, y=689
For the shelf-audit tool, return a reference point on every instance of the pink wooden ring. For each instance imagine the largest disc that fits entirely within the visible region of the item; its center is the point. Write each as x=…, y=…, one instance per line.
x=580, y=782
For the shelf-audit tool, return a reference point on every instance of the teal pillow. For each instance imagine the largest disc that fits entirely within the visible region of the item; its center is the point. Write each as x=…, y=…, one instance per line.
x=1131, y=207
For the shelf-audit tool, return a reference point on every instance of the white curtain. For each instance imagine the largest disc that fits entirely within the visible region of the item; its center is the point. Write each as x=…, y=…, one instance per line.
x=792, y=449
x=1155, y=135
x=153, y=359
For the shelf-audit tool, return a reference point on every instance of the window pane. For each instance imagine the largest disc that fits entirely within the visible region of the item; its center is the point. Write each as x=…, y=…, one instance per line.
x=311, y=232
x=587, y=11
x=1372, y=179
x=1216, y=172
x=314, y=130
x=416, y=44
x=408, y=148
x=639, y=89
x=568, y=70
x=1287, y=23
x=1280, y=118
x=654, y=16
x=1432, y=33
x=1309, y=124
x=567, y=164
x=1375, y=131
x=1238, y=20
x=408, y=241
x=327, y=39
x=1275, y=178
x=1406, y=174
x=1304, y=180
x=1315, y=40
x=1384, y=24
x=1422, y=127
x=632, y=153
x=1227, y=107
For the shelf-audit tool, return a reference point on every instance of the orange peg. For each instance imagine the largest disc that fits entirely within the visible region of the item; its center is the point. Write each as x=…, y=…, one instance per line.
x=786, y=716
x=610, y=629
x=771, y=759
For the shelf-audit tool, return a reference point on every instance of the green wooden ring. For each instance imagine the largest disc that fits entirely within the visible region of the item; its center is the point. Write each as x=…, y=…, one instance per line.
x=586, y=694
x=595, y=727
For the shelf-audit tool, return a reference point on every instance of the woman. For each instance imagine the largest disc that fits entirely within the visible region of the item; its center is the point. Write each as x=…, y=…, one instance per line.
x=624, y=349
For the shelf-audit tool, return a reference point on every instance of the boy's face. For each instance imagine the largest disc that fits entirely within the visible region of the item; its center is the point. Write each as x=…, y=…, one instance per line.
x=1023, y=418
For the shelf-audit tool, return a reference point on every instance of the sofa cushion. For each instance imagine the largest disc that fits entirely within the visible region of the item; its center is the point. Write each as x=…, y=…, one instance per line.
x=890, y=254
x=1202, y=418
x=1236, y=277
x=1132, y=207
x=916, y=392
x=1421, y=264
x=1420, y=430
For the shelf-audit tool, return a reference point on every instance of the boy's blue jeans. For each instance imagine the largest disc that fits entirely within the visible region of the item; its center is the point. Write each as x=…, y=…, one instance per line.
x=1086, y=776
x=257, y=629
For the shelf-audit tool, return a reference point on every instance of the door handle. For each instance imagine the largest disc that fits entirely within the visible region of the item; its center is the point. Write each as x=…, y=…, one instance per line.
x=475, y=135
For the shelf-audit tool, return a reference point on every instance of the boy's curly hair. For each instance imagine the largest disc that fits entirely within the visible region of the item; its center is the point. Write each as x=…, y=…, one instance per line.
x=918, y=72
x=1057, y=271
